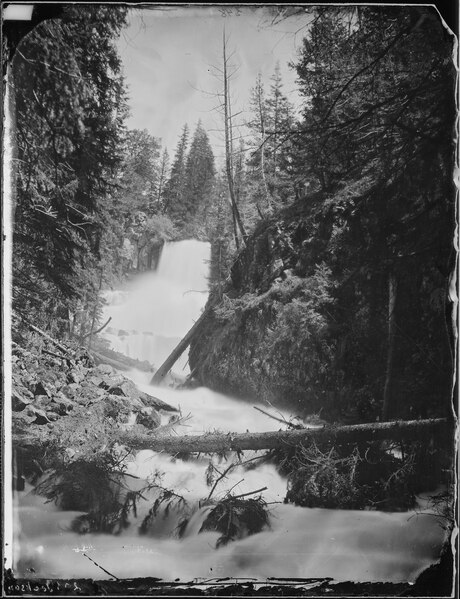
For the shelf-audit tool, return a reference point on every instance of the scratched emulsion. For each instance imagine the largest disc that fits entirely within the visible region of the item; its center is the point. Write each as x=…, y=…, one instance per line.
x=300, y=542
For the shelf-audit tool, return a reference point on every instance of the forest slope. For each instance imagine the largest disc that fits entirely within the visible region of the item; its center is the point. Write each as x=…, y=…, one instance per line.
x=275, y=334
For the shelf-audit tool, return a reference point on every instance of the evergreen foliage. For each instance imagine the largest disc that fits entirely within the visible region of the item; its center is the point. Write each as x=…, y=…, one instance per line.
x=187, y=195
x=376, y=137
x=70, y=108
x=175, y=186
x=374, y=147
x=235, y=518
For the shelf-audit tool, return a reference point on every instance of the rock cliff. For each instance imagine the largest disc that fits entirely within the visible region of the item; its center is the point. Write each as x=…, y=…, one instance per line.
x=265, y=338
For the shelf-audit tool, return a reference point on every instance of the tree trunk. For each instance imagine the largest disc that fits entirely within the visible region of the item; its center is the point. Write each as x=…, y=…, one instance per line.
x=224, y=442
x=388, y=395
x=65, y=350
x=228, y=146
x=262, y=146
x=93, y=320
x=177, y=352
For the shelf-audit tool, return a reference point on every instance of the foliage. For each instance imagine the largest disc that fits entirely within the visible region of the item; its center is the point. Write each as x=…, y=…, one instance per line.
x=70, y=108
x=175, y=185
x=442, y=506
x=235, y=518
x=269, y=182
x=199, y=179
x=166, y=501
x=368, y=476
x=219, y=233
x=138, y=175
x=374, y=147
x=95, y=487
x=376, y=137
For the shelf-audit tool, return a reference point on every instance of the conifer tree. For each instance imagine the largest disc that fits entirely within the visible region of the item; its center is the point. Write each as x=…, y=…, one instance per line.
x=280, y=124
x=175, y=186
x=199, y=177
x=70, y=109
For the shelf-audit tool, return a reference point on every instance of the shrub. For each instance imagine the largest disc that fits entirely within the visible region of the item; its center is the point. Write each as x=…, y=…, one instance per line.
x=368, y=476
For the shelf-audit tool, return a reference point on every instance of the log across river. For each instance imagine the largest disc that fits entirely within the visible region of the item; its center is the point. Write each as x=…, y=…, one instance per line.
x=224, y=442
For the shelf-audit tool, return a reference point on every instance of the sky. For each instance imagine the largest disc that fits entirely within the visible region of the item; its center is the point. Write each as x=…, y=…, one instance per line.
x=170, y=57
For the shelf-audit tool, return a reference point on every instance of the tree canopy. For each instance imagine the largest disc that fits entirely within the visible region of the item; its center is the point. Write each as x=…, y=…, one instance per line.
x=70, y=108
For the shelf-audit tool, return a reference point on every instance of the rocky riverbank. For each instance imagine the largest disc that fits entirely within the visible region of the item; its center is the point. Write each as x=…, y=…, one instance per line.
x=65, y=406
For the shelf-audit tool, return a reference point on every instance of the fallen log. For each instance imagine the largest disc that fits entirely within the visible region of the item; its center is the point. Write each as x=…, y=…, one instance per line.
x=102, y=359
x=65, y=350
x=177, y=352
x=225, y=442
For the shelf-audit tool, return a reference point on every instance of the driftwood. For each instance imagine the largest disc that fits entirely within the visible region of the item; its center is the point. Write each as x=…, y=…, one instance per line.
x=177, y=352
x=225, y=442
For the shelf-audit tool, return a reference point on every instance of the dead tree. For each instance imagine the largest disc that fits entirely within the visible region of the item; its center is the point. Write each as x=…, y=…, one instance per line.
x=225, y=442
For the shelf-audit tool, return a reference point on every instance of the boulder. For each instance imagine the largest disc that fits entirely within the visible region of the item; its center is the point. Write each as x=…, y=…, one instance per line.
x=40, y=415
x=61, y=405
x=42, y=389
x=105, y=369
x=42, y=400
x=116, y=407
x=95, y=380
x=154, y=402
x=110, y=381
x=18, y=400
x=70, y=390
x=75, y=376
x=149, y=418
x=124, y=387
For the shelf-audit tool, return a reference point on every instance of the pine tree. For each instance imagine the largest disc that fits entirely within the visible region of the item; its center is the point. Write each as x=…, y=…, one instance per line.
x=375, y=139
x=199, y=177
x=280, y=124
x=258, y=126
x=175, y=186
x=141, y=170
x=70, y=109
x=269, y=171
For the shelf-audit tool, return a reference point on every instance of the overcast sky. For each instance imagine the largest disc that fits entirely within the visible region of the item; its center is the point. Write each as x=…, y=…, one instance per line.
x=169, y=54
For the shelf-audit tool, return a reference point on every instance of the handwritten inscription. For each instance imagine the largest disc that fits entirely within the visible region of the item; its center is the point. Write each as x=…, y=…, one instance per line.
x=54, y=587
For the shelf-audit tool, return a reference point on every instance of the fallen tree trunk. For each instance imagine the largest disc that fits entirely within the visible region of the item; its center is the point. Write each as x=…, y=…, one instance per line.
x=65, y=350
x=177, y=352
x=225, y=442
x=102, y=359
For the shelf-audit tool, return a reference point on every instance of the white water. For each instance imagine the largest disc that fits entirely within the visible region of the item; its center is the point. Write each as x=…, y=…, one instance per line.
x=301, y=542
x=152, y=313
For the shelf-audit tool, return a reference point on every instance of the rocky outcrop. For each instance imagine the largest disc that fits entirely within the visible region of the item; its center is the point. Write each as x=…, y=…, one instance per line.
x=264, y=339
x=74, y=406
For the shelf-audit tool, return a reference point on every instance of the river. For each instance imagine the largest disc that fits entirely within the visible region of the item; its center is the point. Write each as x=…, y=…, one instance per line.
x=149, y=315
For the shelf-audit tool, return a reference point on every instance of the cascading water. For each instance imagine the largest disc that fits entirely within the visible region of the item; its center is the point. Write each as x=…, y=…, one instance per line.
x=300, y=542
x=152, y=313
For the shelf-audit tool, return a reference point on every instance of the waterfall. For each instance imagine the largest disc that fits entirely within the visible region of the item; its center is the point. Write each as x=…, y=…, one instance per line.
x=154, y=311
x=300, y=542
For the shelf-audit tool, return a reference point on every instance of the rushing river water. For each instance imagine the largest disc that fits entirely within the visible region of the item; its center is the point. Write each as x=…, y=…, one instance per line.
x=152, y=313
